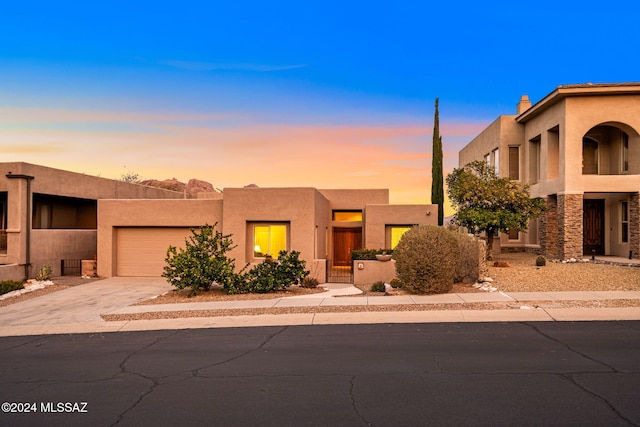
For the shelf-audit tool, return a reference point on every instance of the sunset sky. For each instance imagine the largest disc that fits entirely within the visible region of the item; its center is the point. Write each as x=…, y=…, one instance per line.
x=331, y=94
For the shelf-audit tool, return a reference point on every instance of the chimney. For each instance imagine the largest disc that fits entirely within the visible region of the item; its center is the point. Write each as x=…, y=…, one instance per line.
x=523, y=105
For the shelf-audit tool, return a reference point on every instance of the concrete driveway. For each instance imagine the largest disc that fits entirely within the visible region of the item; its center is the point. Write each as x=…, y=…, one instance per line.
x=83, y=303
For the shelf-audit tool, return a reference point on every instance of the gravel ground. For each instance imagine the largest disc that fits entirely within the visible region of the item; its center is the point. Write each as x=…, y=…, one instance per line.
x=524, y=276
x=369, y=308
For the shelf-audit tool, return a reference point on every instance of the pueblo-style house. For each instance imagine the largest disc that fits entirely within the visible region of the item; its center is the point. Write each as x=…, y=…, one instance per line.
x=579, y=149
x=56, y=217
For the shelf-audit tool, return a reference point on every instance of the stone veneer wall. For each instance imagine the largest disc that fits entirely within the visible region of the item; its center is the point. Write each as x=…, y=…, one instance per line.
x=549, y=228
x=634, y=225
x=570, y=220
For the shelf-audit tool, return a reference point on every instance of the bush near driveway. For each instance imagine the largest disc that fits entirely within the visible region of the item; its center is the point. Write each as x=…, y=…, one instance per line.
x=204, y=262
x=10, y=286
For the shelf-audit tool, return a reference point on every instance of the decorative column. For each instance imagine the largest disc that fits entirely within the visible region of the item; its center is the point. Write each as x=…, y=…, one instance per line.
x=634, y=225
x=549, y=228
x=570, y=231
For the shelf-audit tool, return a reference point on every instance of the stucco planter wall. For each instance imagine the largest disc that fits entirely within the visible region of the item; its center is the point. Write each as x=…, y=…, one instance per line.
x=368, y=272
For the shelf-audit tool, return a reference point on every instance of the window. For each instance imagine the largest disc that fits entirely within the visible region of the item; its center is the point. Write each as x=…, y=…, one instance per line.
x=496, y=160
x=347, y=216
x=624, y=222
x=3, y=223
x=553, y=153
x=589, y=156
x=3, y=211
x=514, y=234
x=395, y=234
x=514, y=163
x=269, y=239
x=487, y=158
x=625, y=153
x=57, y=212
x=534, y=160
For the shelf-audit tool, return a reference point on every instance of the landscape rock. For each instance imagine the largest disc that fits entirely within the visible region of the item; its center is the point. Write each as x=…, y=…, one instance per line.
x=191, y=188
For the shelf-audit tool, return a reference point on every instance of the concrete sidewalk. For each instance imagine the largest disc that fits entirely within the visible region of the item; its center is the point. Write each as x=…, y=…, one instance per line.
x=78, y=309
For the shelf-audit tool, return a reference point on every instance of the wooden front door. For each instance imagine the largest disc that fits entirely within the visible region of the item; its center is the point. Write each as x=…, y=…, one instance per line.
x=593, y=227
x=345, y=240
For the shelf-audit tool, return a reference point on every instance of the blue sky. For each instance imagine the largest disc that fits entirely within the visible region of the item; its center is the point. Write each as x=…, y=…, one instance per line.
x=245, y=92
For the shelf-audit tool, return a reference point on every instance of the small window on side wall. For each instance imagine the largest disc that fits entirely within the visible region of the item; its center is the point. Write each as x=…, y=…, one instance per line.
x=514, y=234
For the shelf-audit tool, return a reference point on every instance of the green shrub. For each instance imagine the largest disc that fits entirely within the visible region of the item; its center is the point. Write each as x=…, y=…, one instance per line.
x=368, y=254
x=273, y=275
x=426, y=259
x=9, y=286
x=309, y=282
x=541, y=261
x=378, y=287
x=202, y=262
x=44, y=273
x=396, y=283
x=472, y=254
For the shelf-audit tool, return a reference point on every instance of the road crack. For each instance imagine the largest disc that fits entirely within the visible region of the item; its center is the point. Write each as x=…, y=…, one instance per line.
x=571, y=376
x=267, y=340
x=354, y=405
x=154, y=381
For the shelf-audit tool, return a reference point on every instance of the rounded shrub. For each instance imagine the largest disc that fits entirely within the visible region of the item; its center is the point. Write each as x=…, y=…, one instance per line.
x=426, y=259
x=541, y=261
x=378, y=287
x=396, y=283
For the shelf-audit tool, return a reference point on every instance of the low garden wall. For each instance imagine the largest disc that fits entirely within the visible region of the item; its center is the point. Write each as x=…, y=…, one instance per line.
x=366, y=273
x=11, y=272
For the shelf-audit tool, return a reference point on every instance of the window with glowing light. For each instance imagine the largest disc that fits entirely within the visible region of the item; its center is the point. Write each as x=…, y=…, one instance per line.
x=395, y=234
x=347, y=216
x=269, y=240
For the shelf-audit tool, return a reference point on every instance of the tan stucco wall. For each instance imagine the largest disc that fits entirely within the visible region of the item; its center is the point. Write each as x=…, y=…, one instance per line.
x=366, y=273
x=355, y=199
x=586, y=113
x=380, y=216
x=52, y=246
x=148, y=213
x=294, y=206
x=70, y=184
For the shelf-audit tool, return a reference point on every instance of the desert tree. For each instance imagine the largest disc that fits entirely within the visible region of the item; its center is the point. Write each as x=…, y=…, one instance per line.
x=485, y=202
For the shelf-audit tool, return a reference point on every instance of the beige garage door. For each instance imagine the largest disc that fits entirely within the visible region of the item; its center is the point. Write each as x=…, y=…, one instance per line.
x=141, y=251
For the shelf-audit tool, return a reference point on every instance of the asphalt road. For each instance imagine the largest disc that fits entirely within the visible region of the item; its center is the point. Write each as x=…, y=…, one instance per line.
x=512, y=374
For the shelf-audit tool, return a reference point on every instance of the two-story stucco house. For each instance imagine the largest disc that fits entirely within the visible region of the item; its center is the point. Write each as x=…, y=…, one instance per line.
x=579, y=149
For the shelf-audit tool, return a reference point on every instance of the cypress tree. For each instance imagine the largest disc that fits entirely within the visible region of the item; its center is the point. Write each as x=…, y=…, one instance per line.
x=437, y=184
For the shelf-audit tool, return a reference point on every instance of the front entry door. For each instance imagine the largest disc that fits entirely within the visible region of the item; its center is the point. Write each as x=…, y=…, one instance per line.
x=345, y=240
x=593, y=227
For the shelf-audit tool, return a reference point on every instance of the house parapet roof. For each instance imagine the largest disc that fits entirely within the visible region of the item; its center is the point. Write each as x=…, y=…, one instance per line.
x=574, y=90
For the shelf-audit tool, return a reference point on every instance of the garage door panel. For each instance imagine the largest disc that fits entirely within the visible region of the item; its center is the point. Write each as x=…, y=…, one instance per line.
x=141, y=252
